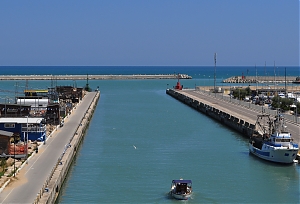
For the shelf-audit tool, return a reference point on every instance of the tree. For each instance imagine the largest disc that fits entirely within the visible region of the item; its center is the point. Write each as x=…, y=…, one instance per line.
x=282, y=103
x=241, y=93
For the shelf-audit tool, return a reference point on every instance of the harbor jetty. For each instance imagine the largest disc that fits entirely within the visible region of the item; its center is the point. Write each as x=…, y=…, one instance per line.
x=94, y=77
x=52, y=186
x=236, y=114
x=41, y=177
x=214, y=109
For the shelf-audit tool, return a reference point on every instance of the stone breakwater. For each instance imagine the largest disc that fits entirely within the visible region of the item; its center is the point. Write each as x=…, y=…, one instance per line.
x=94, y=77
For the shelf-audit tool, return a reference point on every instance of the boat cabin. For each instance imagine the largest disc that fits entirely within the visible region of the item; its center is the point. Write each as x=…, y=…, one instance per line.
x=182, y=186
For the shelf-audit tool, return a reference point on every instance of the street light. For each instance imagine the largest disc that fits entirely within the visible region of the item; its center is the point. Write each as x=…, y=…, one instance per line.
x=27, y=140
x=41, y=129
x=14, y=155
x=215, y=57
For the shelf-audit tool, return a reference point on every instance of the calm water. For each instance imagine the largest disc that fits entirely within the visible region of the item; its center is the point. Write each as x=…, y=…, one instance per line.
x=172, y=141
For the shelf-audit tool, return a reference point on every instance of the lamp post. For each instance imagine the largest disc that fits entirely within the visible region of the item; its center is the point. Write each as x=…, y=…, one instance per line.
x=14, y=155
x=40, y=129
x=215, y=57
x=27, y=140
x=5, y=107
x=239, y=96
x=230, y=91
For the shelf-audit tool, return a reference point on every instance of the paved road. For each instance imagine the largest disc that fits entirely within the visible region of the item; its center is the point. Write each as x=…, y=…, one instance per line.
x=34, y=174
x=241, y=112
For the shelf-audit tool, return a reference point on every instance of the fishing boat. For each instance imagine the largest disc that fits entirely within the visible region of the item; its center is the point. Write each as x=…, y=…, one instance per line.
x=181, y=189
x=272, y=141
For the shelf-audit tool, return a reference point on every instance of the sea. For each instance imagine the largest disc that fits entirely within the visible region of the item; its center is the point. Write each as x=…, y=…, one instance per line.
x=140, y=139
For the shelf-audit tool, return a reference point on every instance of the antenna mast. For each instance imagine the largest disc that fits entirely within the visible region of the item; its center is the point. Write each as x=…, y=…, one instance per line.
x=215, y=57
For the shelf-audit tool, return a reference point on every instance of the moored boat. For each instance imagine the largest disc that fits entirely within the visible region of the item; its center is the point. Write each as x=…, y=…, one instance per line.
x=181, y=189
x=272, y=141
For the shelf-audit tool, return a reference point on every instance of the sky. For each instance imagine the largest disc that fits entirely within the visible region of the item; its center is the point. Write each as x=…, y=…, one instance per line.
x=149, y=32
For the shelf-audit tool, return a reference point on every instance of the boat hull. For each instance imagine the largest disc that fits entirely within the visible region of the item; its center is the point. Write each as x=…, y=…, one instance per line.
x=286, y=156
x=180, y=196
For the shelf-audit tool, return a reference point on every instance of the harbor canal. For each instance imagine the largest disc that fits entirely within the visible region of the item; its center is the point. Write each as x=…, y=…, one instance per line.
x=172, y=141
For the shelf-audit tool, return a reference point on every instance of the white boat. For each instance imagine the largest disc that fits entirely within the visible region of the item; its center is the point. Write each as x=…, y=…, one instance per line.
x=181, y=189
x=271, y=140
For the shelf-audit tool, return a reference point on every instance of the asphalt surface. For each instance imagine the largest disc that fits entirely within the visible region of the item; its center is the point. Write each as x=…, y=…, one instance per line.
x=34, y=174
x=239, y=111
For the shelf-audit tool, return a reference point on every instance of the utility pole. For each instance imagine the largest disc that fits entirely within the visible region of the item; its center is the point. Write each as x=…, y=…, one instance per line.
x=256, y=79
x=215, y=73
x=286, y=94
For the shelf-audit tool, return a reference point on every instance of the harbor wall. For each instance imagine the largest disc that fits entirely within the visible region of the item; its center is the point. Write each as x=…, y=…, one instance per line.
x=52, y=186
x=227, y=119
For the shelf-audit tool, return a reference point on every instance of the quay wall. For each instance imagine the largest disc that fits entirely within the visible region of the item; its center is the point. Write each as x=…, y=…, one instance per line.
x=50, y=190
x=227, y=119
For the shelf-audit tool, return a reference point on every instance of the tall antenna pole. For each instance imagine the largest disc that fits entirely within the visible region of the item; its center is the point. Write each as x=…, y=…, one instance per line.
x=275, y=77
x=256, y=79
x=266, y=72
x=286, y=94
x=215, y=73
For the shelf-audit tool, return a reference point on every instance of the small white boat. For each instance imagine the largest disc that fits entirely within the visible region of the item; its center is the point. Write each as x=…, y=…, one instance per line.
x=271, y=140
x=181, y=189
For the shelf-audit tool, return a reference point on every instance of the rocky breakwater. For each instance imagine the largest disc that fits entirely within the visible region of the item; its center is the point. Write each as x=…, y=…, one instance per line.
x=94, y=77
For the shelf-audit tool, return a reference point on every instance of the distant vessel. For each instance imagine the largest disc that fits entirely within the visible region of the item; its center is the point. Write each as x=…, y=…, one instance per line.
x=297, y=81
x=271, y=140
x=181, y=189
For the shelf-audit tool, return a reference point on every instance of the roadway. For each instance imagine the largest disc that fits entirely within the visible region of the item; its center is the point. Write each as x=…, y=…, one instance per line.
x=239, y=111
x=32, y=176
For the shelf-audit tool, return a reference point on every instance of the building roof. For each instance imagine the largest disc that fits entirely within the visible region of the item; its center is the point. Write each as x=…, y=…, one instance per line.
x=21, y=120
x=6, y=133
x=37, y=91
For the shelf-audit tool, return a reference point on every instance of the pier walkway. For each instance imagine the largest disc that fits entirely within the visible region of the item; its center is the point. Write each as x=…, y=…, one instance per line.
x=237, y=114
x=31, y=178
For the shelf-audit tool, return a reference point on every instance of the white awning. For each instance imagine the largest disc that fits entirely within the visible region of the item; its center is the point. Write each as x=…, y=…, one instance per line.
x=21, y=120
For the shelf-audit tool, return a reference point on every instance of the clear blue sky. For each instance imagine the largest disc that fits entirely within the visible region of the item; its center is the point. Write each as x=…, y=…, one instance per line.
x=149, y=32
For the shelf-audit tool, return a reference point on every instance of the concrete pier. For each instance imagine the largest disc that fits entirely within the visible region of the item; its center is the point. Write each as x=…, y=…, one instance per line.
x=217, y=112
x=238, y=115
x=41, y=178
x=52, y=186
